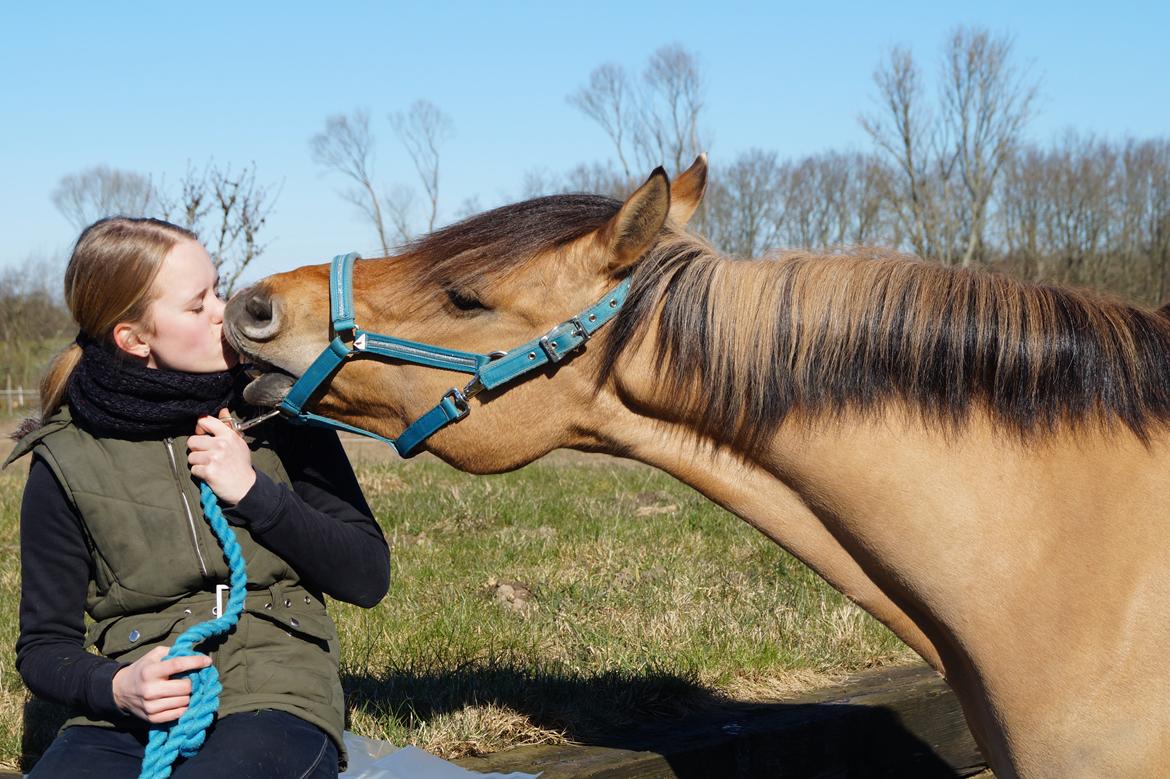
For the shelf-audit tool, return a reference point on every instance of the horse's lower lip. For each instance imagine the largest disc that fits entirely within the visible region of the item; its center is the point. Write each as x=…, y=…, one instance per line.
x=268, y=388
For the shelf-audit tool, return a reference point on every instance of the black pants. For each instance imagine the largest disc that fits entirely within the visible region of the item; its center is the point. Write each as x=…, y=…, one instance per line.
x=263, y=744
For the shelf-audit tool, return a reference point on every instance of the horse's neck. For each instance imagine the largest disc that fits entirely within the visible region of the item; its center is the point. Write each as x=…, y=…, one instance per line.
x=756, y=494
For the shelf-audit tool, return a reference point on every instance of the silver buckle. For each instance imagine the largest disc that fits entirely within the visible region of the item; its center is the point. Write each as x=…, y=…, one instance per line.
x=460, y=401
x=575, y=321
x=550, y=346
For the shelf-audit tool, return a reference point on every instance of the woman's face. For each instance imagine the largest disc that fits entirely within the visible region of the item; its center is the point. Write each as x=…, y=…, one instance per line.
x=187, y=314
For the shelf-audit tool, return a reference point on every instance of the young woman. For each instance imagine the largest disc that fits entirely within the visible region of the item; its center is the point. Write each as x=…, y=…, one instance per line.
x=133, y=413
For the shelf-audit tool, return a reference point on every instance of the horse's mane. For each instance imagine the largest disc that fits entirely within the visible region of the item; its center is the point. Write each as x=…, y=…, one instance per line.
x=744, y=344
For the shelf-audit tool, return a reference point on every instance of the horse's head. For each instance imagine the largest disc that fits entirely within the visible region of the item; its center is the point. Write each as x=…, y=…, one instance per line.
x=489, y=283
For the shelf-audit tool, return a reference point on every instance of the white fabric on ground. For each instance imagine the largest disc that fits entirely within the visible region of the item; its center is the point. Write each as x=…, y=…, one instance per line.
x=374, y=759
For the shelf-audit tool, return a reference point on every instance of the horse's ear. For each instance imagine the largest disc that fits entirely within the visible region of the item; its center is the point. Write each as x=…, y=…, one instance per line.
x=686, y=191
x=632, y=230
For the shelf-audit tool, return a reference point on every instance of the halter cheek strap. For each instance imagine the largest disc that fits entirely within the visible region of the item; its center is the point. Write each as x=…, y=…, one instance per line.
x=488, y=371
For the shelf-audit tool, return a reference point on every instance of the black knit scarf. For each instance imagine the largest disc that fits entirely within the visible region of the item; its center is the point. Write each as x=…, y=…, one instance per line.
x=112, y=396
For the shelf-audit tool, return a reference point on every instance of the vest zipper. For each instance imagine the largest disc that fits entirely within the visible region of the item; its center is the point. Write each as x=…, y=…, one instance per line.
x=186, y=505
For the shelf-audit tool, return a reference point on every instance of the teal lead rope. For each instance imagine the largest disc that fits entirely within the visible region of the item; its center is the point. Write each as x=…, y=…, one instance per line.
x=186, y=736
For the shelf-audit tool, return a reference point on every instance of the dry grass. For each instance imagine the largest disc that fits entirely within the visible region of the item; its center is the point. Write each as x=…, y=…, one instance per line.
x=628, y=597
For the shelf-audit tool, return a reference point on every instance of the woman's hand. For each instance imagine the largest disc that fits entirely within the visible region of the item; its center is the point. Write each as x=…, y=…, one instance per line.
x=219, y=456
x=144, y=688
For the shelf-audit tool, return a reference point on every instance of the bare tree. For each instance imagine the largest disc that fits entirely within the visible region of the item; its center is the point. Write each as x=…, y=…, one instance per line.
x=346, y=146
x=901, y=130
x=597, y=178
x=671, y=106
x=102, y=191
x=423, y=129
x=1022, y=205
x=834, y=200
x=191, y=204
x=986, y=102
x=1147, y=209
x=947, y=161
x=655, y=123
x=610, y=101
x=228, y=210
x=399, y=202
x=743, y=209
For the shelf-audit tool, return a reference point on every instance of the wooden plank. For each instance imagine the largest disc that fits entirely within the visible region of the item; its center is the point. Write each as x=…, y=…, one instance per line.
x=901, y=722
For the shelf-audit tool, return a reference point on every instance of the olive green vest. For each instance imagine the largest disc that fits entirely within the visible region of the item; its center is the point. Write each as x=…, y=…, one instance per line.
x=157, y=564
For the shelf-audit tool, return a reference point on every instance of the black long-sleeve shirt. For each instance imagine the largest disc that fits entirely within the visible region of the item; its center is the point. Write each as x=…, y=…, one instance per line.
x=322, y=527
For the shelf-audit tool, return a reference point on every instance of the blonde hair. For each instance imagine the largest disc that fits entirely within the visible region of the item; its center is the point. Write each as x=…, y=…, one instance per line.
x=109, y=279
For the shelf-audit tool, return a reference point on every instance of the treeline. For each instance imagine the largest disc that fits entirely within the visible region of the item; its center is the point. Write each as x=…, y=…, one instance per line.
x=33, y=324
x=1079, y=211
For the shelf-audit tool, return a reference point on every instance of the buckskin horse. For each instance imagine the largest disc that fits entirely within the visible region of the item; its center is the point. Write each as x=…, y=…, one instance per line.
x=978, y=462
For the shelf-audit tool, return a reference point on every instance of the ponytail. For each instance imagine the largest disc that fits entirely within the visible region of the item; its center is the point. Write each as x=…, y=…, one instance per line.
x=56, y=379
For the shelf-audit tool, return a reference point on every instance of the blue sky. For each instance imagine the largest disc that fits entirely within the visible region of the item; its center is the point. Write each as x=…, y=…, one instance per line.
x=148, y=87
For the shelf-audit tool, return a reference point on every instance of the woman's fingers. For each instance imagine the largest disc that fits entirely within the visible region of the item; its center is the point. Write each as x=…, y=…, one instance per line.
x=175, y=665
x=200, y=442
x=166, y=716
x=215, y=426
x=163, y=705
x=169, y=688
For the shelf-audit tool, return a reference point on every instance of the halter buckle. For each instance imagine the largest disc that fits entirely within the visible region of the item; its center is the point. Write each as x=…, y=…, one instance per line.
x=580, y=330
x=549, y=344
x=459, y=400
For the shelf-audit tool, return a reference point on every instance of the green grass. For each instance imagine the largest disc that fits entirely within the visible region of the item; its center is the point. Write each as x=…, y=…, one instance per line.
x=646, y=601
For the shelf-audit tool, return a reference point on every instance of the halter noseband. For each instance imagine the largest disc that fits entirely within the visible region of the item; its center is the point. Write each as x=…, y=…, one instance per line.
x=489, y=371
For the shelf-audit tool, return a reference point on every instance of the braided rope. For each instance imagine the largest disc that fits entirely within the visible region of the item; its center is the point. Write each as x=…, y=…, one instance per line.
x=185, y=736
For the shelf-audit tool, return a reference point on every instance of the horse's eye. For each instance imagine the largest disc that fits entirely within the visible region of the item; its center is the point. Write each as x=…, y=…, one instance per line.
x=463, y=301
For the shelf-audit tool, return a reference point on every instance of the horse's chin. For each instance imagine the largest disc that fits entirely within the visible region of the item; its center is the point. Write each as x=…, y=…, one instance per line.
x=268, y=389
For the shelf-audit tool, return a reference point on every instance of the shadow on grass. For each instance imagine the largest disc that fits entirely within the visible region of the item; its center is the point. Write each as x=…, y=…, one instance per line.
x=699, y=733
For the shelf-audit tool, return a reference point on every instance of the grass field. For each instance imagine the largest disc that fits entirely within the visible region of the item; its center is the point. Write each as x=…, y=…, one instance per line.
x=555, y=603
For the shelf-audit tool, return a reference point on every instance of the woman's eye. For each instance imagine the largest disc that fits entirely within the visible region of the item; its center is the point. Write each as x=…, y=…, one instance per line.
x=464, y=302
x=198, y=310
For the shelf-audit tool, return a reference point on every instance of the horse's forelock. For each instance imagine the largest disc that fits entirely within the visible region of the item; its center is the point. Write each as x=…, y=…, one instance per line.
x=480, y=249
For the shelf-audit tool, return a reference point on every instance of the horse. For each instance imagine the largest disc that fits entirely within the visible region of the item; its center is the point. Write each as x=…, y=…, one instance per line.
x=980, y=463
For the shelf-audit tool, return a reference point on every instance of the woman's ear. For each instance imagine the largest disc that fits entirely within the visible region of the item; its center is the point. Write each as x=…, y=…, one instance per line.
x=128, y=339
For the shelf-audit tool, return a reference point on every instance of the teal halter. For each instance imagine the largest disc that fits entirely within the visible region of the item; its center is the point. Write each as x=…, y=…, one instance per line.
x=489, y=371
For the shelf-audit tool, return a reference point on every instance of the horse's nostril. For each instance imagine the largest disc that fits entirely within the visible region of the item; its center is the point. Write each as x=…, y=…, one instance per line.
x=253, y=314
x=259, y=308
